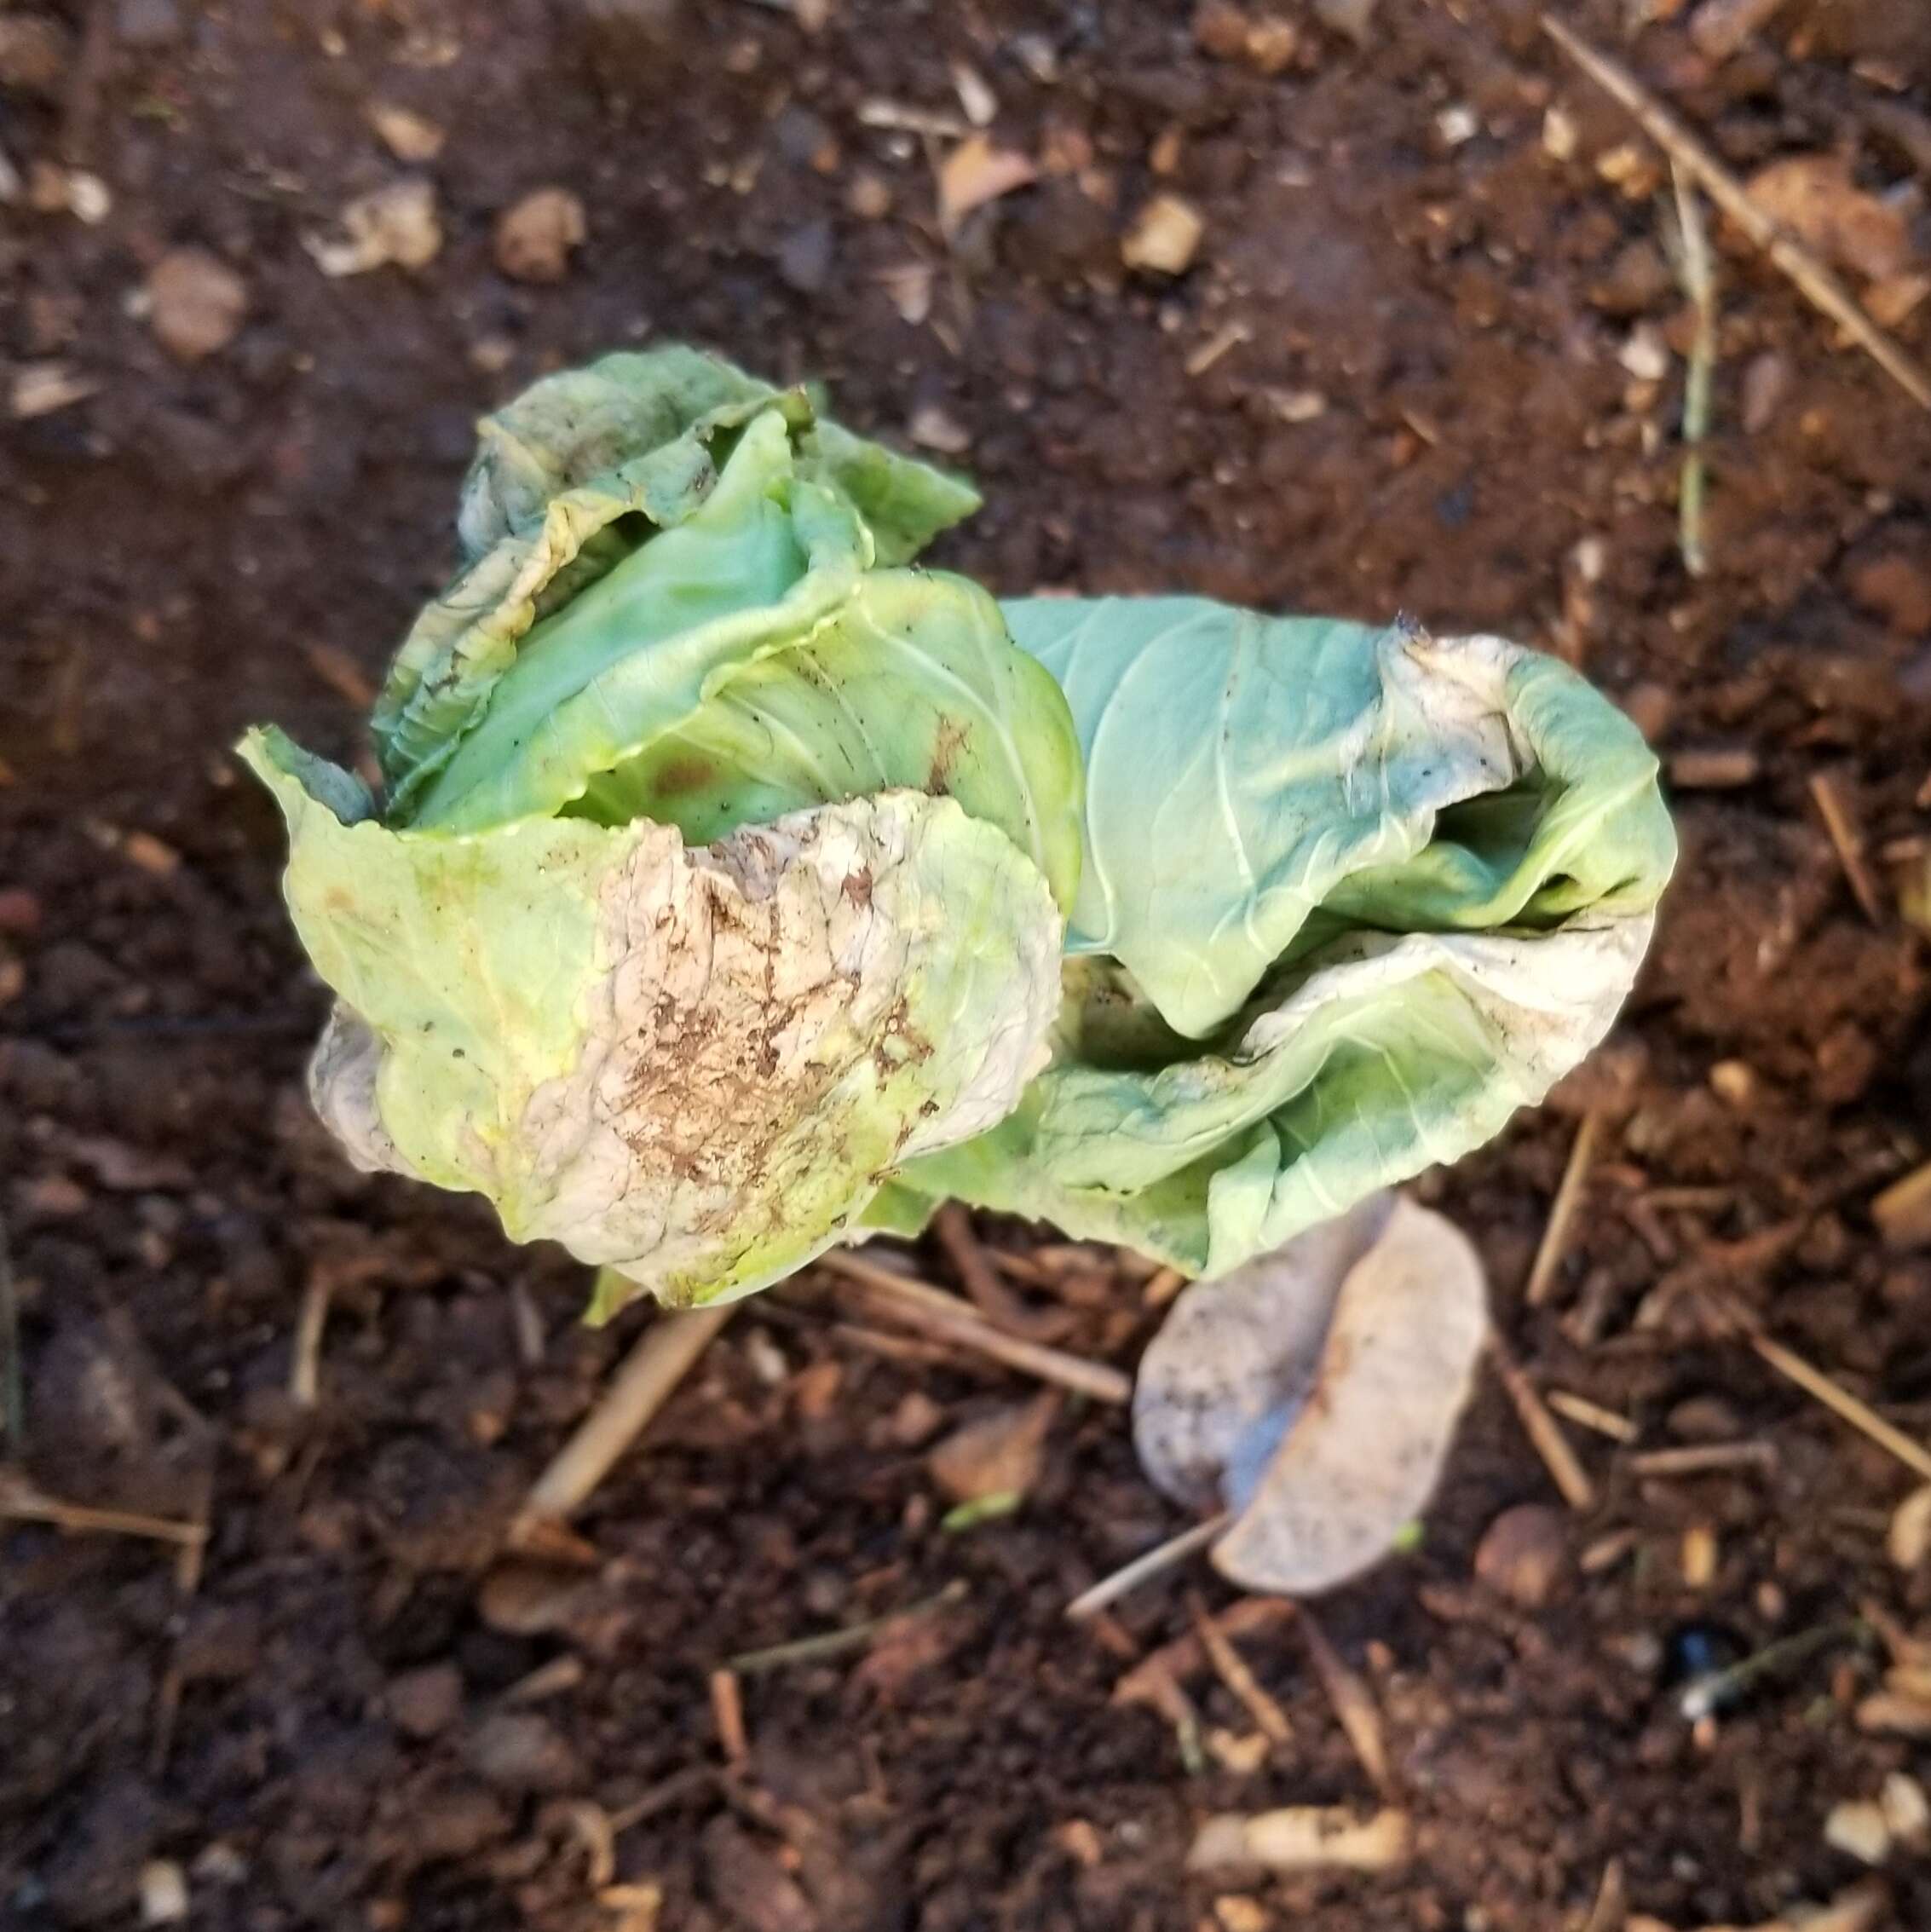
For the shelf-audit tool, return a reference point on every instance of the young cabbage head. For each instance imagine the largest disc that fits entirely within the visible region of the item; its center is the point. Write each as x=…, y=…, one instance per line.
x=736, y=888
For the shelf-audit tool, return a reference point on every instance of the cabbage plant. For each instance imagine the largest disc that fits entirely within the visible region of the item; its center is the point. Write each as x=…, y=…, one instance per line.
x=737, y=886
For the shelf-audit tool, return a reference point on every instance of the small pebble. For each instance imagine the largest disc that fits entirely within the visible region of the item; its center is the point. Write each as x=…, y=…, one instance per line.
x=934, y=427
x=805, y=257
x=1164, y=237
x=424, y=1702
x=1858, y=1828
x=164, y=1892
x=1767, y=381
x=524, y=1599
x=518, y=1751
x=196, y=304
x=1523, y=1554
x=536, y=236
x=408, y=136
x=868, y=196
x=1645, y=354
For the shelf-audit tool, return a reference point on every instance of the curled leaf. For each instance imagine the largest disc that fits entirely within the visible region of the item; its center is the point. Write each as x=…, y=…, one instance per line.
x=692, y=1066
x=976, y=172
x=395, y=223
x=1314, y=1392
x=1815, y=196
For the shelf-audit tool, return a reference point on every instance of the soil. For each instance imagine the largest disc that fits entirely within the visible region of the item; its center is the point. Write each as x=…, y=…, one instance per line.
x=1437, y=243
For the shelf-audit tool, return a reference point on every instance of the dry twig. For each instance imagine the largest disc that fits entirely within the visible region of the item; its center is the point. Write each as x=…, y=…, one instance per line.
x=989, y=1295
x=1354, y=1704
x=1702, y=1458
x=944, y=1317
x=1818, y=284
x=1860, y=1415
x=1143, y=1568
x=23, y=1501
x=1848, y=842
x=305, y=1368
x=727, y=1709
x=1562, y=1212
x=1542, y=1429
x=1593, y=1415
x=1253, y=1616
x=1231, y=1668
x=662, y=1357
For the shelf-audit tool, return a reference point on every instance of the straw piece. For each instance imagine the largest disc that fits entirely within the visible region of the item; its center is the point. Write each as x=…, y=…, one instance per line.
x=919, y=1305
x=1818, y=284
x=663, y=1356
x=1542, y=1429
x=1562, y=1212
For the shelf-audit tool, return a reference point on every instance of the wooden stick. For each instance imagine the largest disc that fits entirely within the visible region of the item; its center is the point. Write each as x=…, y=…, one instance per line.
x=1562, y=1212
x=1819, y=284
x=919, y=1305
x=1354, y=1706
x=1231, y=1668
x=1143, y=1568
x=1848, y=845
x=662, y=1357
x=1860, y=1415
x=1542, y=1429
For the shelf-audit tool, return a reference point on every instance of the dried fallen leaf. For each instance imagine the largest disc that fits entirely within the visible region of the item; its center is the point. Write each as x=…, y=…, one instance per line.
x=1910, y=1537
x=1164, y=236
x=909, y=286
x=1858, y=1829
x=935, y=427
x=1895, y=300
x=1303, y=1837
x=976, y=172
x=1903, y=1211
x=395, y=223
x=1314, y=1392
x=41, y=388
x=1354, y=18
x=997, y=1454
x=408, y=136
x=1814, y=196
x=1719, y=27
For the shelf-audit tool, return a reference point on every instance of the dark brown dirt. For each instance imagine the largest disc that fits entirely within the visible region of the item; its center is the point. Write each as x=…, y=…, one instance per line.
x=1427, y=414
